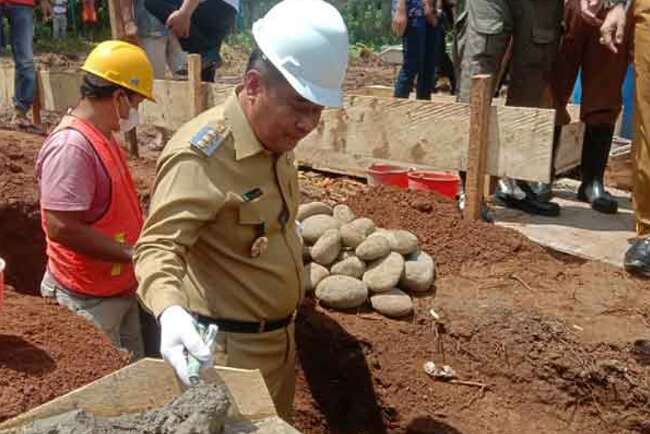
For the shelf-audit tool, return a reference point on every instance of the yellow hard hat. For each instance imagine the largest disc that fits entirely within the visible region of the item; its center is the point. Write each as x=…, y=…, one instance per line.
x=123, y=64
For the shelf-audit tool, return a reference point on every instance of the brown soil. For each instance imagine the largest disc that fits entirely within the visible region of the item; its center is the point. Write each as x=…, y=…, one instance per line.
x=454, y=242
x=46, y=351
x=547, y=334
x=540, y=329
x=368, y=69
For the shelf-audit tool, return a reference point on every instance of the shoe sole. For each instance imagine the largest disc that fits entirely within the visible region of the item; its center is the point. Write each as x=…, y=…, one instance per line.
x=515, y=204
x=637, y=270
x=583, y=198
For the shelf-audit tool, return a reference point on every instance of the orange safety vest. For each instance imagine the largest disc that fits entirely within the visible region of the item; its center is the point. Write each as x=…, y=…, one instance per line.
x=122, y=222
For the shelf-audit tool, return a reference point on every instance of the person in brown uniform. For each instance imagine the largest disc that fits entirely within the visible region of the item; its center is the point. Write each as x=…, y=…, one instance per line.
x=221, y=244
x=637, y=258
x=603, y=72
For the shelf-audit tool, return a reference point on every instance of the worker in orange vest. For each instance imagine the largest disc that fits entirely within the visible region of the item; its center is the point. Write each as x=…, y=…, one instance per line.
x=20, y=15
x=90, y=210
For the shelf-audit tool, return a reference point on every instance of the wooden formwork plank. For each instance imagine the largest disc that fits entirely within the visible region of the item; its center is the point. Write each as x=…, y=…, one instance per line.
x=428, y=133
x=151, y=383
x=60, y=90
x=570, y=150
x=387, y=91
x=173, y=106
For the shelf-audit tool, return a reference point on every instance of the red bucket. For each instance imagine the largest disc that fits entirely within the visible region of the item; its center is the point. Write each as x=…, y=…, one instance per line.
x=2, y=280
x=442, y=182
x=387, y=174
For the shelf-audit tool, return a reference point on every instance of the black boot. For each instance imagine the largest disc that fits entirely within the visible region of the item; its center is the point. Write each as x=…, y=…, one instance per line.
x=595, y=152
x=529, y=204
x=637, y=258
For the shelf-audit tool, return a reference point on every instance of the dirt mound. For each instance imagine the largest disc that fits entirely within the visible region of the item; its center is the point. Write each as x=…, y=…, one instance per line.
x=46, y=351
x=452, y=241
x=364, y=374
x=541, y=359
x=510, y=311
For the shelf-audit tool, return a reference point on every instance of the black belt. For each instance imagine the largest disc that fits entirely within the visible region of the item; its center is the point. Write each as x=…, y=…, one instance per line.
x=233, y=326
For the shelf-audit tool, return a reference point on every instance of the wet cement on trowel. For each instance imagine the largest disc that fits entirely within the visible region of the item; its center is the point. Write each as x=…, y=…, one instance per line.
x=200, y=410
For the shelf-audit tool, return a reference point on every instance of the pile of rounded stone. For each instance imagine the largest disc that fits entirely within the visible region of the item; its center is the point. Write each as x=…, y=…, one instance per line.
x=349, y=260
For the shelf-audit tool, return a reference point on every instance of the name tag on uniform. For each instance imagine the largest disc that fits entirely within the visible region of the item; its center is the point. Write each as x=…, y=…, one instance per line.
x=251, y=195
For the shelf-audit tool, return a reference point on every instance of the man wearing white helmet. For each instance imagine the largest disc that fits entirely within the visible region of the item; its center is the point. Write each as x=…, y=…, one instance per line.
x=221, y=244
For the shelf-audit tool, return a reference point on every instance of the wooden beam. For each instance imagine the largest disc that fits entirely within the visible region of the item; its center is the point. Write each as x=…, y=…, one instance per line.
x=118, y=32
x=194, y=82
x=131, y=138
x=38, y=100
x=115, y=18
x=479, y=134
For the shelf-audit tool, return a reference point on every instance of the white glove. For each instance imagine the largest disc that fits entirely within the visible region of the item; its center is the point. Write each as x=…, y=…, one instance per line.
x=177, y=334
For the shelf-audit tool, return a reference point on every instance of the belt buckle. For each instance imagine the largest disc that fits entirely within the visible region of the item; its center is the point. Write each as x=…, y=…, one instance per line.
x=262, y=326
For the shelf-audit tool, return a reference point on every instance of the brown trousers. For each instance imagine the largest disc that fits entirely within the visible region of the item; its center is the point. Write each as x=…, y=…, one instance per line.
x=603, y=72
x=641, y=142
x=273, y=353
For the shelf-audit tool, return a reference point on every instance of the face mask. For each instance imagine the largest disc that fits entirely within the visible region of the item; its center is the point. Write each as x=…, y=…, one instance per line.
x=129, y=123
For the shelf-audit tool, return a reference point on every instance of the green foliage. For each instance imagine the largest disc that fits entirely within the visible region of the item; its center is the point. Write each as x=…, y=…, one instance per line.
x=368, y=21
x=71, y=46
x=80, y=37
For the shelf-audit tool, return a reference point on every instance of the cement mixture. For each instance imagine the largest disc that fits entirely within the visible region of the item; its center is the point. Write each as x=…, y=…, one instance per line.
x=200, y=410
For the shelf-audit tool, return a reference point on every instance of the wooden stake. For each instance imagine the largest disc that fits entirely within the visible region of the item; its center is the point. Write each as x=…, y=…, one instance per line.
x=117, y=32
x=38, y=100
x=194, y=81
x=479, y=121
x=115, y=18
x=132, y=140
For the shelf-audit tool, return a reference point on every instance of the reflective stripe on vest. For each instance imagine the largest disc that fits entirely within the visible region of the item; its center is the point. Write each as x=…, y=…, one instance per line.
x=122, y=222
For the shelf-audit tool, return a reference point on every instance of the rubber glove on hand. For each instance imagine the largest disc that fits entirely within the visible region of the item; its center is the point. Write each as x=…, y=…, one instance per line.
x=177, y=334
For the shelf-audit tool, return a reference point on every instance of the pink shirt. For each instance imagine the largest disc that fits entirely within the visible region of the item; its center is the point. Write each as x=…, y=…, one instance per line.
x=72, y=177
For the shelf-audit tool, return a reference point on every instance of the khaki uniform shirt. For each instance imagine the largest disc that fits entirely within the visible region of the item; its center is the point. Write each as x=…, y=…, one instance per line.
x=217, y=191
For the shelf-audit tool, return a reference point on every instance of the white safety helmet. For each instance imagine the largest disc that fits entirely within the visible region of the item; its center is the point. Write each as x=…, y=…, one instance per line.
x=307, y=41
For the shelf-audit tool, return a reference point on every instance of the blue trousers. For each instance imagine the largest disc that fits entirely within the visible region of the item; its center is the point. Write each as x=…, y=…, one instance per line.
x=421, y=51
x=21, y=26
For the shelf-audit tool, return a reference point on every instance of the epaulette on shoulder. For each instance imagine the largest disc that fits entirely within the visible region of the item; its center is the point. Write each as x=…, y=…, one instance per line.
x=210, y=137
